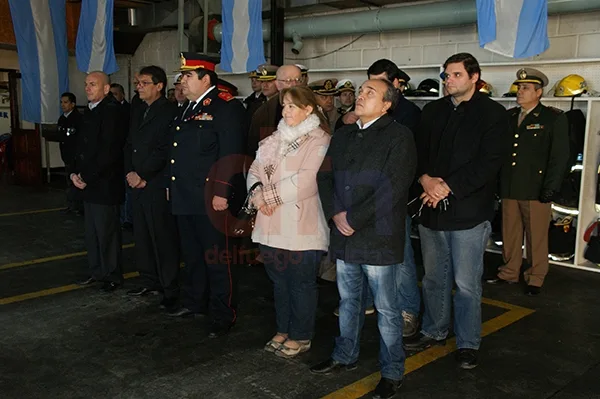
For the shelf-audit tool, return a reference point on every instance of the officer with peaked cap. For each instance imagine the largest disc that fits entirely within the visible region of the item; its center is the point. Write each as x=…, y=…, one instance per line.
x=208, y=140
x=531, y=175
x=267, y=75
x=347, y=93
x=304, y=71
x=257, y=98
x=179, y=97
x=325, y=92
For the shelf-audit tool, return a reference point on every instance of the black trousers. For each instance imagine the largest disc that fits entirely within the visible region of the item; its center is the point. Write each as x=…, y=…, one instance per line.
x=103, y=242
x=156, y=243
x=208, y=284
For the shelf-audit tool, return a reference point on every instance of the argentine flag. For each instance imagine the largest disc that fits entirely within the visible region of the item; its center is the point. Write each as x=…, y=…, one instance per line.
x=94, y=47
x=41, y=32
x=513, y=28
x=242, y=47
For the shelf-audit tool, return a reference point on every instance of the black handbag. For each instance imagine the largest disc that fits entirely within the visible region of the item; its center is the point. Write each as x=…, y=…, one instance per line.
x=561, y=239
x=592, y=250
x=244, y=222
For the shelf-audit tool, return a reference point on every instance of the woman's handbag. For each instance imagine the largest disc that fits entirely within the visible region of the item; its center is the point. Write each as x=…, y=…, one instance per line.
x=244, y=223
x=592, y=251
x=561, y=239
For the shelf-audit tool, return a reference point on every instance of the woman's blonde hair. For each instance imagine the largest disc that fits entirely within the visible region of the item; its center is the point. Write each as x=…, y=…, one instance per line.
x=303, y=97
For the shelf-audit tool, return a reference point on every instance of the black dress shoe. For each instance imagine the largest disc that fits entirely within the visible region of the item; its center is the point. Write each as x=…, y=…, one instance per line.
x=532, y=290
x=218, y=330
x=422, y=342
x=170, y=304
x=329, y=366
x=386, y=388
x=467, y=358
x=109, y=286
x=499, y=281
x=141, y=292
x=87, y=281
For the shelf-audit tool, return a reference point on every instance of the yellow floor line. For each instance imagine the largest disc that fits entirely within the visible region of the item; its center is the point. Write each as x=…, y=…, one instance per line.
x=53, y=291
x=364, y=386
x=32, y=212
x=50, y=259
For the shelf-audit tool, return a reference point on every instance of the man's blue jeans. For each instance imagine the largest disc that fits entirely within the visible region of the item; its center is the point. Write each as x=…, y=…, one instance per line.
x=409, y=297
x=453, y=257
x=352, y=282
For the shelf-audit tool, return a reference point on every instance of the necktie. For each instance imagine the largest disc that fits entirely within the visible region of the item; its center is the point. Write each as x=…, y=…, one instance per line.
x=189, y=110
x=522, y=116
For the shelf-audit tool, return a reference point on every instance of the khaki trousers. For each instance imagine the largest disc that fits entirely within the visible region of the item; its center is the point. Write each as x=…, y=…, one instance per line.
x=533, y=218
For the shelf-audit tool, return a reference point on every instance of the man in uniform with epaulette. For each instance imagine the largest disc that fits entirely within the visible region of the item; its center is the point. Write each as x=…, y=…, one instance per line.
x=257, y=98
x=531, y=175
x=325, y=92
x=208, y=140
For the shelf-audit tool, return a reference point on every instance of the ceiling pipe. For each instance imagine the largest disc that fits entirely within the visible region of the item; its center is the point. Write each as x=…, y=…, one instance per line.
x=416, y=16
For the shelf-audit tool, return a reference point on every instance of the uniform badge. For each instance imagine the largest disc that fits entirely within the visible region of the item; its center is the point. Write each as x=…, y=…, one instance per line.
x=206, y=101
x=328, y=85
x=203, y=117
x=522, y=74
x=534, y=126
x=225, y=96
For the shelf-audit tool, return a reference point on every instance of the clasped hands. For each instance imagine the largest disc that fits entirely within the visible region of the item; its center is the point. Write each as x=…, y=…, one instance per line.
x=78, y=181
x=435, y=190
x=258, y=201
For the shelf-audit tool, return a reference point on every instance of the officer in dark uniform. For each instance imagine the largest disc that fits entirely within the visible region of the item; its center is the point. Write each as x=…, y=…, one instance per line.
x=69, y=124
x=206, y=154
x=532, y=173
x=257, y=98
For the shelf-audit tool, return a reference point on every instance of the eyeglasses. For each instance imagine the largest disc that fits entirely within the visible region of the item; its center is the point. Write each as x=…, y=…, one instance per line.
x=289, y=81
x=143, y=83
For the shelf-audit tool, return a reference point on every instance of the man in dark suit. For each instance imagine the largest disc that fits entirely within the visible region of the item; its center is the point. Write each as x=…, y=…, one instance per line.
x=69, y=124
x=364, y=192
x=98, y=173
x=146, y=157
x=206, y=153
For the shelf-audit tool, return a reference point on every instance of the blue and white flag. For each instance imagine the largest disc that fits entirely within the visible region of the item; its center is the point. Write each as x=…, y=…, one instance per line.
x=242, y=48
x=41, y=32
x=513, y=28
x=94, y=48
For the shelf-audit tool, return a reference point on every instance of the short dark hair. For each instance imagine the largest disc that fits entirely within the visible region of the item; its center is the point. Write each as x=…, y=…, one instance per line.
x=469, y=62
x=384, y=65
x=390, y=95
x=118, y=86
x=214, y=79
x=157, y=74
x=70, y=96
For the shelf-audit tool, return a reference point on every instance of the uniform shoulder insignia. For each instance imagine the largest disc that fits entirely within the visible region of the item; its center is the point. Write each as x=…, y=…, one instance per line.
x=225, y=96
x=555, y=110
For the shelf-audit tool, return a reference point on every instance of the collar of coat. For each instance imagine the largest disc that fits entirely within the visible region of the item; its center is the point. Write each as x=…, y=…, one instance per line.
x=475, y=98
x=535, y=111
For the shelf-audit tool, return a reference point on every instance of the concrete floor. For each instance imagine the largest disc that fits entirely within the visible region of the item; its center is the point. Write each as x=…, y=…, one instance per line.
x=84, y=344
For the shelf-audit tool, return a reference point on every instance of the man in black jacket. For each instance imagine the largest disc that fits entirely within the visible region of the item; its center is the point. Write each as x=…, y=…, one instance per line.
x=206, y=156
x=98, y=172
x=146, y=157
x=364, y=192
x=69, y=125
x=461, y=141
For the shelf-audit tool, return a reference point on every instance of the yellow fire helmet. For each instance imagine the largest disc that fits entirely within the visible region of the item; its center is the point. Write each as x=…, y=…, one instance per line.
x=512, y=91
x=485, y=87
x=570, y=86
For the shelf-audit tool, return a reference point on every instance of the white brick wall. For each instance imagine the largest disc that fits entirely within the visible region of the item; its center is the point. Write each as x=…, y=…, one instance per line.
x=571, y=35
